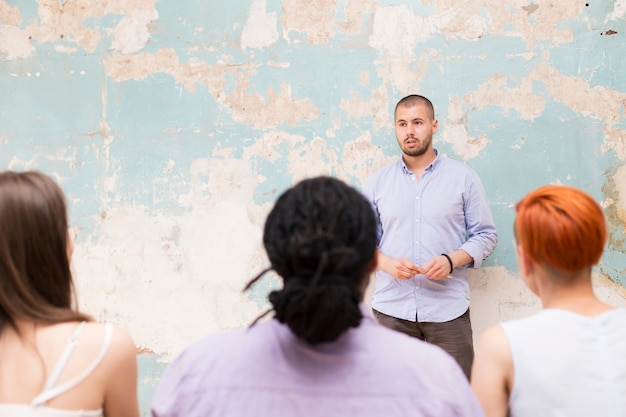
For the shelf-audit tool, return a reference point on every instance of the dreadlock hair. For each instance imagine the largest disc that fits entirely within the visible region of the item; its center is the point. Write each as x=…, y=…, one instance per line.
x=320, y=237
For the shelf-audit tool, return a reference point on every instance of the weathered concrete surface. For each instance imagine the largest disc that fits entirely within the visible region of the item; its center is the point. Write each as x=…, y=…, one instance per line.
x=173, y=126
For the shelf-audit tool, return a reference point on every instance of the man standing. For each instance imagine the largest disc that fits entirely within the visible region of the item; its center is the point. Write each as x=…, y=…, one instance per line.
x=434, y=223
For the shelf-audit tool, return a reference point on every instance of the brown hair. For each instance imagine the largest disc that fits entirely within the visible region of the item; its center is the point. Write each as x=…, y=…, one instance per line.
x=561, y=227
x=35, y=277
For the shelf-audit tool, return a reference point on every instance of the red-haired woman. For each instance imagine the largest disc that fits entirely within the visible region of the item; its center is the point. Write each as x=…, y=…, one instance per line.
x=570, y=358
x=54, y=360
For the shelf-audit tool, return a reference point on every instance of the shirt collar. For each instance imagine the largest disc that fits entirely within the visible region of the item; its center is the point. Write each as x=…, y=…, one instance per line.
x=428, y=168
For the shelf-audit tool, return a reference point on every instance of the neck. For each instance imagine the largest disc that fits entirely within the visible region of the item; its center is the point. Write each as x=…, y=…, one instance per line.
x=417, y=164
x=575, y=294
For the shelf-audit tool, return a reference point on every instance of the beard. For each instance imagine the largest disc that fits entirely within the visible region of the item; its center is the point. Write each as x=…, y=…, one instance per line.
x=418, y=150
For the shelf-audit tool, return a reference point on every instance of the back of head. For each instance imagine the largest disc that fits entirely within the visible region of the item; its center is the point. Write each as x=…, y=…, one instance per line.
x=320, y=238
x=561, y=227
x=35, y=276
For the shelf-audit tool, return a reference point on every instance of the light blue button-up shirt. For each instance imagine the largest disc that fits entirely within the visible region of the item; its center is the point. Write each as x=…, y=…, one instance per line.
x=445, y=210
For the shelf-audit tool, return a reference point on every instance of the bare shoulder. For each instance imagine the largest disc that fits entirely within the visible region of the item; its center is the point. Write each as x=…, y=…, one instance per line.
x=492, y=373
x=493, y=355
x=494, y=340
x=120, y=346
x=122, y=341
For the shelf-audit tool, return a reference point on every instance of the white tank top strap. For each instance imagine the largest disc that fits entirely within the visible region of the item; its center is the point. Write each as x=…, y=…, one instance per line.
x=49, y=391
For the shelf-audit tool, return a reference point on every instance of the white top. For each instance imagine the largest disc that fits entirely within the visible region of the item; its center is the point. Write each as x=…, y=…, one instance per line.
x=38, y=406
x=565, y=364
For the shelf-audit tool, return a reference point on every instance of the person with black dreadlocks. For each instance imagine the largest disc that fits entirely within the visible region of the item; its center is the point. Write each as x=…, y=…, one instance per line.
x=321, y=354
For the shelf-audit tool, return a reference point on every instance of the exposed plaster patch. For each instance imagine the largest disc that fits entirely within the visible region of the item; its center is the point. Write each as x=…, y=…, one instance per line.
x=598, y=102
x=521, y=98
x=354, y=11
x=268, y=146
x=463, y=145
x=138, y=66
x=359, y=158
x=278, y=108
x=507, y=18
x=136, y=275
x=613, y=190
x=403, y=73
x=615, y=140
x=311, y=159
x=619, y=10
x=278, y=64
x=9, y=15
x=131, y=33
x=316, y=18
x=455, y=132
x=620, y=187
x=260, y=30
x=397, y=31
x=65, y=49
x=139, y=269
x=398, y=72
x=374, y=107
x=497, y=295
x=365, y=78
x=608, y=291
x=65, y=20
x=332, y=131
x=470, y=26
x=169, y=167
x=14, y=43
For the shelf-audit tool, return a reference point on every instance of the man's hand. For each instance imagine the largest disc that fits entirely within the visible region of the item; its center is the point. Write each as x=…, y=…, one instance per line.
x=437, y=268
x=400, y=268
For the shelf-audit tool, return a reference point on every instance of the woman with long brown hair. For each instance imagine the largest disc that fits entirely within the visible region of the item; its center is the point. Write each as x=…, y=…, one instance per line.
x=54, y=360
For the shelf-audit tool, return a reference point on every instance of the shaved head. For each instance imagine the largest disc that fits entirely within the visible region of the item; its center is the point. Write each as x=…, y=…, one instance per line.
x=414, y=100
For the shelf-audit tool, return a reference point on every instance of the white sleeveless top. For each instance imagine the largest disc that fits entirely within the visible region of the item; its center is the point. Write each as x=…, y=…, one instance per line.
x=38, y=408
x=568, y=365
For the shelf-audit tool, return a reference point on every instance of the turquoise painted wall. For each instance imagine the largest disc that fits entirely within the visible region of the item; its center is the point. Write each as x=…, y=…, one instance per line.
x=173, y=126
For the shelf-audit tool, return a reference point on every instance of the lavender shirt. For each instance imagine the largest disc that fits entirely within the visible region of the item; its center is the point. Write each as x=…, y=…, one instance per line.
x=266, y=371
x=446, y=210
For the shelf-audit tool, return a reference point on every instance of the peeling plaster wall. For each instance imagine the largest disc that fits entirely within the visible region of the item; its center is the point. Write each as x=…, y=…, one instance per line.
x=173, y=126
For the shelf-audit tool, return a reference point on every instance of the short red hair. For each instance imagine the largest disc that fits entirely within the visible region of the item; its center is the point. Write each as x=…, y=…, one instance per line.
x=561, y=227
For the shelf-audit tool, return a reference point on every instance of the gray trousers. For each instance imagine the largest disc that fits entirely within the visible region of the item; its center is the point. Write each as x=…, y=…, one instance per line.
x=454, y=336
